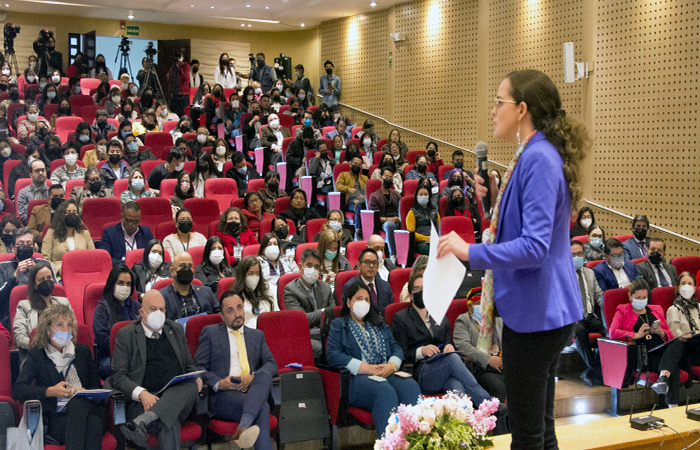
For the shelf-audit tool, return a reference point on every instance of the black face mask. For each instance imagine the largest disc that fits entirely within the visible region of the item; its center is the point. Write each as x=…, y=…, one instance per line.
x=3, y=87
x=65, y=110
x=217, y=93
x=261, y=63
x=149, y=126
x=45, y=288
x=14, y=96
x=276, y=99
x=114, y=159
x=457, y=202
x=184, y=276
x=95, y=186
x=282, y=232
x=8, y=239
x=202, y=168
x=56, y=202
x=421, y=167
x=273, y=186
x=23, y=252
x=233, y=228
x=355, y=170
x=459, y=164
x=431, y=153
x=324, y=154
x=640, y=234
x=387, y=183
x=99, y=63
x=72, y=220
x=655, y=258
x=147, y=99
x=185, y=226
x=195, y=69
x=418, y=300
x=329, y=71
x=255, y=112
x=41, y=132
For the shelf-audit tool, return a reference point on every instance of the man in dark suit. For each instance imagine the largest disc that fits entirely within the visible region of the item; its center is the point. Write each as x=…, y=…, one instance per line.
x=656, y=272
x=311, y=295
x=615, y=272
x=638, y=246
x=148, y=353
x=182, y=299
x=379, y=290
x=127, y=235
x=386, y=265
x=241, y=388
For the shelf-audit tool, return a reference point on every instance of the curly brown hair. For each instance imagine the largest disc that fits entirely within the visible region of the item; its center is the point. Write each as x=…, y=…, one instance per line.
x=41, y=336
x=58, y=222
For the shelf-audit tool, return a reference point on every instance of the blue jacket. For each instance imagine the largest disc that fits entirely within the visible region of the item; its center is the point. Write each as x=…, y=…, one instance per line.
x=632, y=250
x=102, y=329
x=214, y=353
x=535, y=284
x=606, y=278
x=173, y=306
x=113, y=241
x=385, y=296
x=343, y=351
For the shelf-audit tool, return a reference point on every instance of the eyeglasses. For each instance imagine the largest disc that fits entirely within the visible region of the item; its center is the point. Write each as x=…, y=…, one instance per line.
x=254, y=200
x=578, y=254
x=388, y=178
x=132, y=221
x=370, y=263
x=500, y=102
x=39, y=170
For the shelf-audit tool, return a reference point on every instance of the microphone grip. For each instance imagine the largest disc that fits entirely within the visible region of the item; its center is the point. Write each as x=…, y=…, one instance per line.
x=484, y=173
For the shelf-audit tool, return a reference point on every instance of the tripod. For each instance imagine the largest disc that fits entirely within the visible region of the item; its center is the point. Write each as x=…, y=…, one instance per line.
x=124, y=63
x=150, y=72
x=12, y=60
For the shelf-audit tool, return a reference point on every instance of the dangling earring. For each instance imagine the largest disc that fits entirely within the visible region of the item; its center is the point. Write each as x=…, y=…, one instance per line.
x=518, y=135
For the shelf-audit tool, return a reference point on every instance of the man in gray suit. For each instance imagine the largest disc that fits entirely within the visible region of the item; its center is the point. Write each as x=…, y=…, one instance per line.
x=591, y=295
x=182, y=299
x=488, y=369
x=148, y=353
x=311, y=295
x=656, y=272
x=242, y=389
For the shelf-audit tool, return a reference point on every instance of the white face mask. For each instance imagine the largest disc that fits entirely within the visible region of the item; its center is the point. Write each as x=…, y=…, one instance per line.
x=185, y=186
x=272, y=252
x=275, y=124
x=125, y=86
x=163, y=112
x=367, y=142
x=5, y=71
x=31, y=78
x=360, y=308
x=201, y=138
x=156, y=320
x=71, y=159
x=639, y=303
x=216, y=256
x=6, y=152
x=302, y=96
x=234, y=104
x=180, y=166
x=33, y=117
x=310, y=275
x=116, y=100
x=335, y=225
x=154, y=260
x=686, y=291
x=251, y=281
x=121, y=293
x=585, y=223
x=221, y=150
x=258, y=91
x=380, y=255
x=102, y=148
x=55, y=79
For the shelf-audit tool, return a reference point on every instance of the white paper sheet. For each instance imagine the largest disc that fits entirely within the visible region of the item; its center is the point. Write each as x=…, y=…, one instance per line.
x=441, y=279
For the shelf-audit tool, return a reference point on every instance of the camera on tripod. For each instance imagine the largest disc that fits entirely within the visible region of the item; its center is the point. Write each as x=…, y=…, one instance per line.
x=11, y=32
x=251, y=58
x=41, y=43
x=124, y=45
x=150, y=51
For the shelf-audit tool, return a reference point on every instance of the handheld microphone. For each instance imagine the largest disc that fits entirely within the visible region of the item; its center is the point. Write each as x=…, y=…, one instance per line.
x=482, y=162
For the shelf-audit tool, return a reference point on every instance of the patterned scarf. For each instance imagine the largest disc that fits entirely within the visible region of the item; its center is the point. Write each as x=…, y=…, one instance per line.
x=486, y=342
x=685, y=306
x=64, y=363
x=370, y=341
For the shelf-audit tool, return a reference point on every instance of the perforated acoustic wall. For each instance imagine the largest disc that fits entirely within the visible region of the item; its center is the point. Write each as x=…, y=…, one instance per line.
x=647, y=116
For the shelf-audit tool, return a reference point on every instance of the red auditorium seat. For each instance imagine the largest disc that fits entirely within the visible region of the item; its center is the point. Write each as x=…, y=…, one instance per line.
x=225, y=284
x=283, y=281
x=313, y=226
x=300, y=249
x=686, y=264
x=371, y=187
x=19, y=293
x=223, y=190
x=80, y=268
x=266, y=225
x=352, y=252
x=99, y=213
x=256, y=184
x=393, y=309
x=411, y=155
x=93, y=295
x=154, y=210
x=66, y=124
x=167, y=187
x=136, y=256
x=405, y=206
x=292, y=346
x=463, y=226
x=204, y=211
x=397, y=279
x=340, y=280
x=281, y=205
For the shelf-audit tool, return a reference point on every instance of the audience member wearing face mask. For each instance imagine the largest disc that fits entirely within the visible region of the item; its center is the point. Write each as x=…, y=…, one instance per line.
x=214, y=266
x=274, y=262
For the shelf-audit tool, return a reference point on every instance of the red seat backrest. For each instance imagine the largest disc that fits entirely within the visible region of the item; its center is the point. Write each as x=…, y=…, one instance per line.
x=92, y=296
x=148, y=165
x=7, y=168
x=50, y=109
x=409, y=187
x=353, y=251
x=204, y=211
x=250, y=250
x=197, y=254
x=22, y=183
x=592, y=264
x=371, y=187
x=405, y=206
x=397, y=279
x=70, y=184
x=136, y=256
x=238, y=203
x=300, y=249
x=456, y=309
x=154, y=210
x=113, y=334
x=194, y=329
x=623, y=237
x=326, y=130
x=313, y=226
x=80, y=268
x=463, y=226
x=686, y=264
x=340, y=280
x=443, y=169
x=158, y=138
x=88, y=112
x=294, y=344
x=255, y=184
x=281, y=205
x=393, y=309
x=165, y=229
x=223, y=190
x=169, y=126
x=5, y=373
x=97, y=213
x=442, y=207
x=582, y=239
x=411, y=155
x=611, y=299
x=283, y=281
x=167, y=187
x=338, y=169
x=33, y=203
x=663, y=296
x=638, y=260
x=225, y=284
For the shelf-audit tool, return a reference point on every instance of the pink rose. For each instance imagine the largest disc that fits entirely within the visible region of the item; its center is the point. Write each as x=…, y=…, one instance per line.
x=424, y=427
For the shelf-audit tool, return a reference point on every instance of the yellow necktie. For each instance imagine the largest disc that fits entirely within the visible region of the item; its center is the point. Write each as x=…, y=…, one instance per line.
x=242, y=353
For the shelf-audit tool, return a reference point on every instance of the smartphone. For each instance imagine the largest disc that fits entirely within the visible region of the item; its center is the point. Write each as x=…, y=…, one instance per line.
x=235, y=380
x=656, y=324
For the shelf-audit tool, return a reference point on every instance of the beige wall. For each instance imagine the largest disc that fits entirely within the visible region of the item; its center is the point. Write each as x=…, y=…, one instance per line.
x=640, y=104
x=302, y=46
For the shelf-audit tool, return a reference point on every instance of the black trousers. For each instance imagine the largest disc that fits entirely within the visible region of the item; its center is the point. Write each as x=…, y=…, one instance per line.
x=178, y=103
x=80, y=426
x=492, y=381
x=590, y=324
x=668, y=358
x=529, y=365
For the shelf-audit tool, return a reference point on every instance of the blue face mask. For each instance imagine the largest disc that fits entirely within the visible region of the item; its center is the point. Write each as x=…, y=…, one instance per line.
x=423, y=200
x=330, y=256
x=477, y=313
x=77, y=89
x=596, y=242
x=42, y=86
x=617, y=261
x=133, y=146
x=578, y=262
x=243, y=170
x=125, y=134
x=307, y=122
x=62, y=337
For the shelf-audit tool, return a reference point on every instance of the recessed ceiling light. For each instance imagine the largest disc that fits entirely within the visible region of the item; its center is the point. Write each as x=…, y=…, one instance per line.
x=6, y=5
x=212, y=7
x=267, y=7
x=373, y=4
x=302, y=24
x=345, y=14
x=191, y=6
x=242, y=24
x=250, y=25
x=130, y=16
x=247, y=6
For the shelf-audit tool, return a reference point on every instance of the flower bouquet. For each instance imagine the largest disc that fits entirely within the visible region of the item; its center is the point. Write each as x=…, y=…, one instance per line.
x=450, y=422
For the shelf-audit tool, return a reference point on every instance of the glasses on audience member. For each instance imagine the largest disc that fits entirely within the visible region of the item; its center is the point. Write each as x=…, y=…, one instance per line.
x=500, y=102
x=254, y=200
x=133, y=221
x=388, y=178
x=370, y=263
x=417, y=289
x=39, y=170
x=577, y=254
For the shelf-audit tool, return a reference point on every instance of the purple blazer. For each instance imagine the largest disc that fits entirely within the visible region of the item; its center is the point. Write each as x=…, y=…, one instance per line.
x=535, y=284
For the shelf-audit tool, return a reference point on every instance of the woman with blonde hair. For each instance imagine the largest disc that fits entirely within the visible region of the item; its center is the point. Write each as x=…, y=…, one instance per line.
x=332, y=262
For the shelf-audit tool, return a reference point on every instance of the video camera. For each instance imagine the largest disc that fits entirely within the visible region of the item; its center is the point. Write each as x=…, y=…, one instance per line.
x=150, y=51
x=124, y=45
x=43, y=40
x=11, y=32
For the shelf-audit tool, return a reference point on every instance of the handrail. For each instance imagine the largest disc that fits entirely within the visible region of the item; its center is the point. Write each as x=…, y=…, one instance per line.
x=651, y=225
x=415, y=132
x=505, y=167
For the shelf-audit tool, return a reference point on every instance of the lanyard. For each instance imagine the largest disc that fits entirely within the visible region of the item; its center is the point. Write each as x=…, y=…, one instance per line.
x=188, y=243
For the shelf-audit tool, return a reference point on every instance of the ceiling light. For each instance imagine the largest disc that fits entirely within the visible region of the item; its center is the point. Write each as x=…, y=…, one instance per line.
x=244, y=18
x=247, y=6
x=302, y=24
x=345, y=14
x=267, y=7
x=6, y=5
x=130, y=16
x=373, y=4
x=212, y=7
x=191, y=6
x=250, y=25
x=242, y=24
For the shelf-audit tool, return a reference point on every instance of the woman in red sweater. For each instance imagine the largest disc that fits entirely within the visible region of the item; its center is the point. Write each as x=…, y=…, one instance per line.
x=233, y=230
